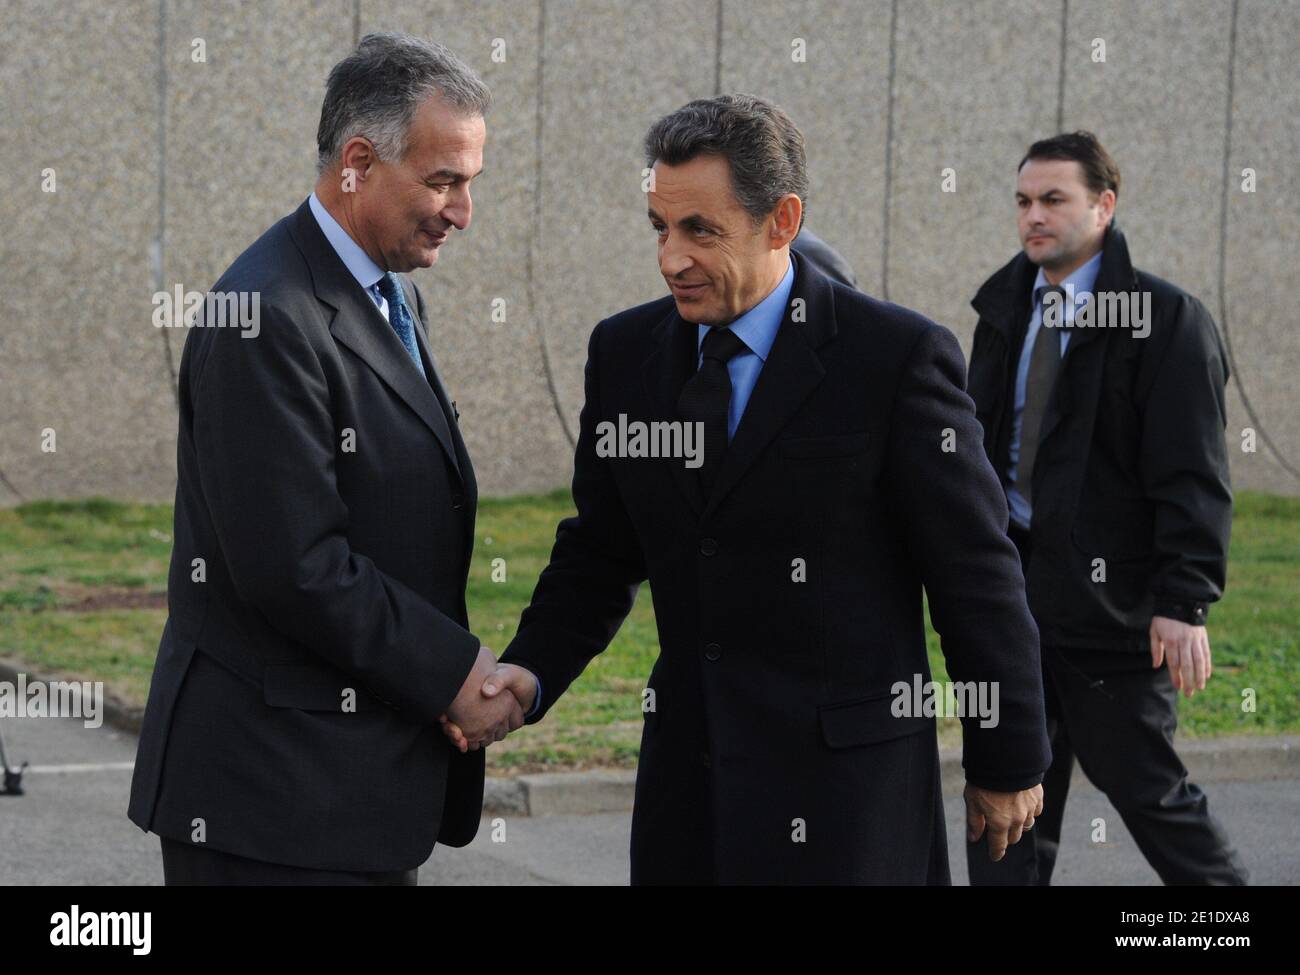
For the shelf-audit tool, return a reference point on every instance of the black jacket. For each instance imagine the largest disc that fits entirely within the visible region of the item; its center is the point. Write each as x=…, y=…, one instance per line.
x=1132, y=466
x=330, y=564
x=773, y=696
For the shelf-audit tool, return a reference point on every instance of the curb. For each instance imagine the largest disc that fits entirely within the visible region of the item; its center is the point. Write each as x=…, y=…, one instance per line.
x=576, y=793
x=1229, y=759
x=1232, y=759
x=560, y=793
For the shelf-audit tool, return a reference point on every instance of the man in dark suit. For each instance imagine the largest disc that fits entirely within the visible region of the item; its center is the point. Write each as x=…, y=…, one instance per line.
x=841, y=471
x=1109, y=442
x=325, y=504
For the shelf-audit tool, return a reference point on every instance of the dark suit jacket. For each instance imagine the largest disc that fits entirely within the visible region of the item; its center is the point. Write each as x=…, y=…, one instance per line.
x=1132, y=466
x=772, y=696
x=333, y=568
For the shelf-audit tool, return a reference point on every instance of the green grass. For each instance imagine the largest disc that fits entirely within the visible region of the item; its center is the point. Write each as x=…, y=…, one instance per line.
x=54, y=555
x=599, y=721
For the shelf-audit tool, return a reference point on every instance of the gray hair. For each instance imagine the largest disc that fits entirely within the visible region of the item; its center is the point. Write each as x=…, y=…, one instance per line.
x=374, y=92
x=761, y=144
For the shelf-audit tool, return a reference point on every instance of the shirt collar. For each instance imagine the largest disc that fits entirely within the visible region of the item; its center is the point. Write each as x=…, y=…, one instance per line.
x=1080, y=281
x=366, y=271
x=757, y=328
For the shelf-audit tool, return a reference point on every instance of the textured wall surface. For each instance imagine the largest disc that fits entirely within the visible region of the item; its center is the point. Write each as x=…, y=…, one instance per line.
x=166, y=168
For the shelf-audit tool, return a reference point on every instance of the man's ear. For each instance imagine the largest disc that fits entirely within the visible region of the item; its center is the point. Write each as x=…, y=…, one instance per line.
x=785, y=220
x=1106, y=201
x=359, y=156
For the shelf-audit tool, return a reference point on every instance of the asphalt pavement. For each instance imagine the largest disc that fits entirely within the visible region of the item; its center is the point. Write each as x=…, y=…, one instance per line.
x=71, y=827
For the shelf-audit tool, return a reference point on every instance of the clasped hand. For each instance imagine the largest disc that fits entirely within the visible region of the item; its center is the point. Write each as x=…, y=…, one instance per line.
x=490, y=704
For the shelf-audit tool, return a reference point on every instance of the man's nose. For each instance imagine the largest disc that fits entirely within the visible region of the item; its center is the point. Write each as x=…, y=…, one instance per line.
x=673, y=259
x=459, y=210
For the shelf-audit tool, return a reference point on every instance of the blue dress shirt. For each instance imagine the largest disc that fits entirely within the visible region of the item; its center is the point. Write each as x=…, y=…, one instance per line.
x=757, y=328
x=357, y=261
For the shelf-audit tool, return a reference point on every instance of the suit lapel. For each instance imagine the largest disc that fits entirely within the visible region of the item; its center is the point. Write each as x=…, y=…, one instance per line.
x=664, y=374
x=462, y=462
x=435, y=378
x=358, y=324
x=790, y=374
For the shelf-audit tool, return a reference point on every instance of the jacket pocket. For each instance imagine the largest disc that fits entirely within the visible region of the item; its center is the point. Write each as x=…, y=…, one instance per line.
x=867, y=721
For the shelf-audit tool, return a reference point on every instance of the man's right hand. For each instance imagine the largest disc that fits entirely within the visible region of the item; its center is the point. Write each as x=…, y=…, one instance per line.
x=480, y=719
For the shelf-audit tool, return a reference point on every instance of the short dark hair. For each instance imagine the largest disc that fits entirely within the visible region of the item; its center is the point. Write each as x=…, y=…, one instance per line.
x=376, y=90
x=761, y=144
x=1100, y=171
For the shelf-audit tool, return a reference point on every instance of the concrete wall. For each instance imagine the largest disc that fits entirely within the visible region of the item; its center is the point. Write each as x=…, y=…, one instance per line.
x=167, y=168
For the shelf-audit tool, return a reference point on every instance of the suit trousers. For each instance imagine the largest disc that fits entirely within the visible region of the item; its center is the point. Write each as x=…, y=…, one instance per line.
x=1119, y=720
x=187, y=864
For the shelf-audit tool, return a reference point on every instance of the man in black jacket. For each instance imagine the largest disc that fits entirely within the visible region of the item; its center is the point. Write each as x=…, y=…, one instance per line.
x=1101, y=392
x=841, y=471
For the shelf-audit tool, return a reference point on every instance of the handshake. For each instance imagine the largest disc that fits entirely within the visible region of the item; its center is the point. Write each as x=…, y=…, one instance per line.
x=491, y=703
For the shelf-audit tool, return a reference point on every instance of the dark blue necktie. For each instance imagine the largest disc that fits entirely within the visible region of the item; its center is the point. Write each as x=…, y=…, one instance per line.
x=400, y=318
x=706, y=397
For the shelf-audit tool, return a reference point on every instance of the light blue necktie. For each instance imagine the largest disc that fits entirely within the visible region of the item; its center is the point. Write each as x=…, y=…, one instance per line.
x=399, y=317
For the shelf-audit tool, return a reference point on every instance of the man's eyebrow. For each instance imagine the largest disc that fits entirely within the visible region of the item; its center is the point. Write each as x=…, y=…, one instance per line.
x=452, y=174
x=697, y=220
x=688, y=221
x=1048, y=192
